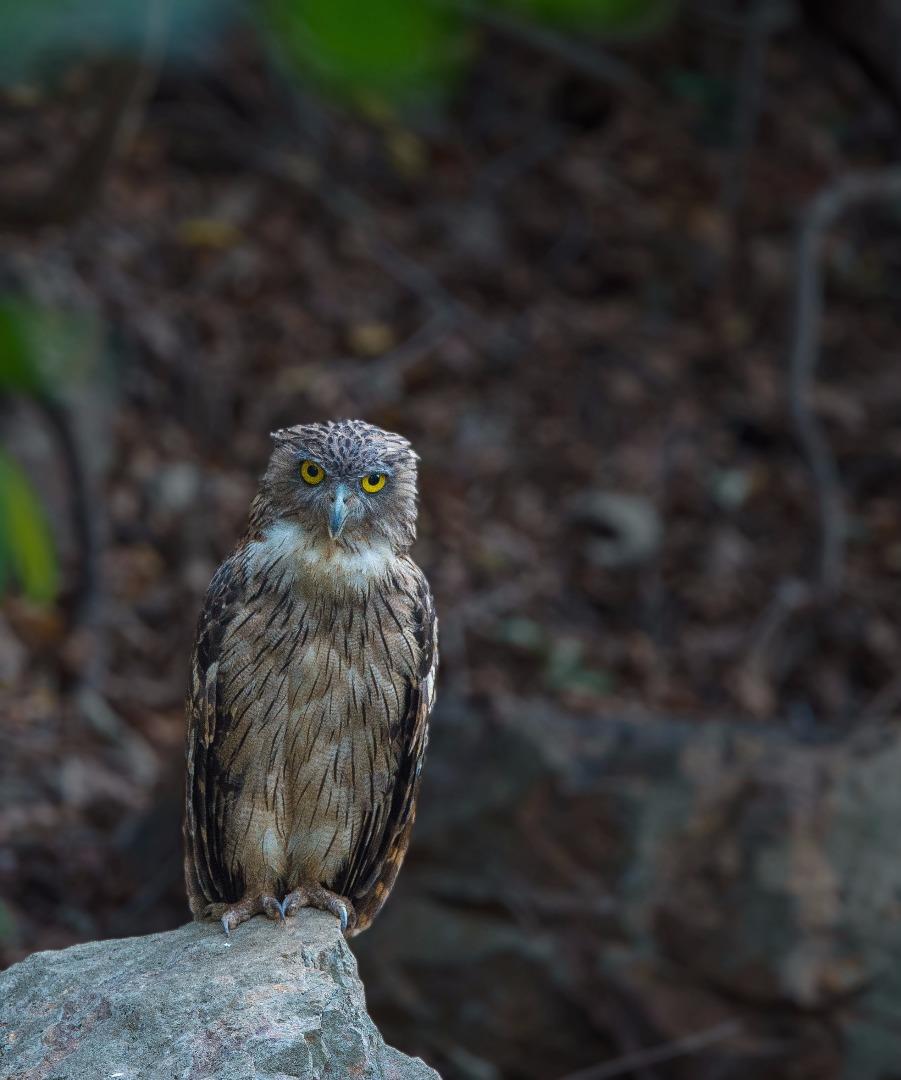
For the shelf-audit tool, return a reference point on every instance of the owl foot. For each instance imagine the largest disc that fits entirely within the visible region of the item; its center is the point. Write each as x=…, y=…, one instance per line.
x=261, y=904
x=315, y=896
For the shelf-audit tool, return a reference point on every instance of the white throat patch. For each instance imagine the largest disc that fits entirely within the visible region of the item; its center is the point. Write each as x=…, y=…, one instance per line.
x=321, y=563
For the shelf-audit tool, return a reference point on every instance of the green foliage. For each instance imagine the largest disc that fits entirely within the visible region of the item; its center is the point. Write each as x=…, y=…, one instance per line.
x=394, y=49
x=41, y=350
x=20, y=371
x=609, y=18
x=361, y=48
x=26, y=547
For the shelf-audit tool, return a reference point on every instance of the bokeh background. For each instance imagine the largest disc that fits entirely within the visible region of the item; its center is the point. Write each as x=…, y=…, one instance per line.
x=627, y=274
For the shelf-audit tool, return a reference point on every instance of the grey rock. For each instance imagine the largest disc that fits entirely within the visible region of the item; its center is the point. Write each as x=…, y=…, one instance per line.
x=270, y=1002
x=601, y=874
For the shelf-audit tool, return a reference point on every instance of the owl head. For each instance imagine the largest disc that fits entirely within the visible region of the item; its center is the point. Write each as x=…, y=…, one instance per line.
x=344, y=482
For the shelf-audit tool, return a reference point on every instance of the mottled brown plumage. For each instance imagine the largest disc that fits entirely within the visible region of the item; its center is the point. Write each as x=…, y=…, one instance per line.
x=312, y=681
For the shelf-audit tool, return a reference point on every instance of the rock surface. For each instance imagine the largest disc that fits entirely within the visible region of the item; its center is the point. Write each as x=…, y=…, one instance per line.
x=604, y=885
x=272, y=1002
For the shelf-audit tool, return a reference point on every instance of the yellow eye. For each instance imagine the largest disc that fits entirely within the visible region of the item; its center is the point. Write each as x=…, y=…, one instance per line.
x=312, y=473
x=374, y=482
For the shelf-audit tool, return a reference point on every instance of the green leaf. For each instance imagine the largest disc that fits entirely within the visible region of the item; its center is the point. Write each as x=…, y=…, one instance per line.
x=359, y=48
x=26, y=546
x=19, y=368
x=41, y=348
x=615, y=18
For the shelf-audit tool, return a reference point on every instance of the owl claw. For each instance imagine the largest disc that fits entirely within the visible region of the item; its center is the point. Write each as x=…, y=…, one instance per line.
x=246, y=908
x=315, y=896
x=294, y=901
x=343, y=917
x=272, y=909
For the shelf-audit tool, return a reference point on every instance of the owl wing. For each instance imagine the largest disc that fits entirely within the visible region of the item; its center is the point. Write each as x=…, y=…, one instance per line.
x=209, y=719
x=375, y=863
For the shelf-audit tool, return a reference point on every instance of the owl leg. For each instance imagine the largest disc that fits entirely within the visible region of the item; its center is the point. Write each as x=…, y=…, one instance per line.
x=315, y=896
x=247, y=907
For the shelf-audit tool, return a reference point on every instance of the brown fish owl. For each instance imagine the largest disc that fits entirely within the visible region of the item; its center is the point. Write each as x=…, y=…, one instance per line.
x=312, y=682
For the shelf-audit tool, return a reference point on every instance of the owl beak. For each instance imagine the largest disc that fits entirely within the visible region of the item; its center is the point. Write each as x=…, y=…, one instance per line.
x=338, y=513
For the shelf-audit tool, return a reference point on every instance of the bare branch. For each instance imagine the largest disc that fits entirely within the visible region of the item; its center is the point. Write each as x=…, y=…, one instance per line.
x=658, y=1055
x=821, y=213
x=589, y=60
x=83, y=511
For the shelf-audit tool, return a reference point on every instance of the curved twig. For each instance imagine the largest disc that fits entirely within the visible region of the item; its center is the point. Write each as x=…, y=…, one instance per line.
x=821, y=213
x=695, y=1043
x=590, y=60
x=82, y=508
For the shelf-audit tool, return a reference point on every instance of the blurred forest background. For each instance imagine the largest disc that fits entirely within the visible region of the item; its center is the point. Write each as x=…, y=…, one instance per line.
x=627, y=273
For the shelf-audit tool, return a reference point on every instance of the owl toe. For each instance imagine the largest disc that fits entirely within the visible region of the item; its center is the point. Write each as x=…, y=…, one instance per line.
x=272, y=909
x=315, y=896
x=293, y=902
x=246, y=908
x=339, y=906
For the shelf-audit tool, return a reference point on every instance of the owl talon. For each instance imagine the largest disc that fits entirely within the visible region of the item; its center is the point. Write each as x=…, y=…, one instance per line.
x=294, y=901
x=272, y=909
x=246, y=908
x=315, y=896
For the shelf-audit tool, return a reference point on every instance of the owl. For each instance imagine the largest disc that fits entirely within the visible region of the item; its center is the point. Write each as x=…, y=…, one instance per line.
x=312, y=680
